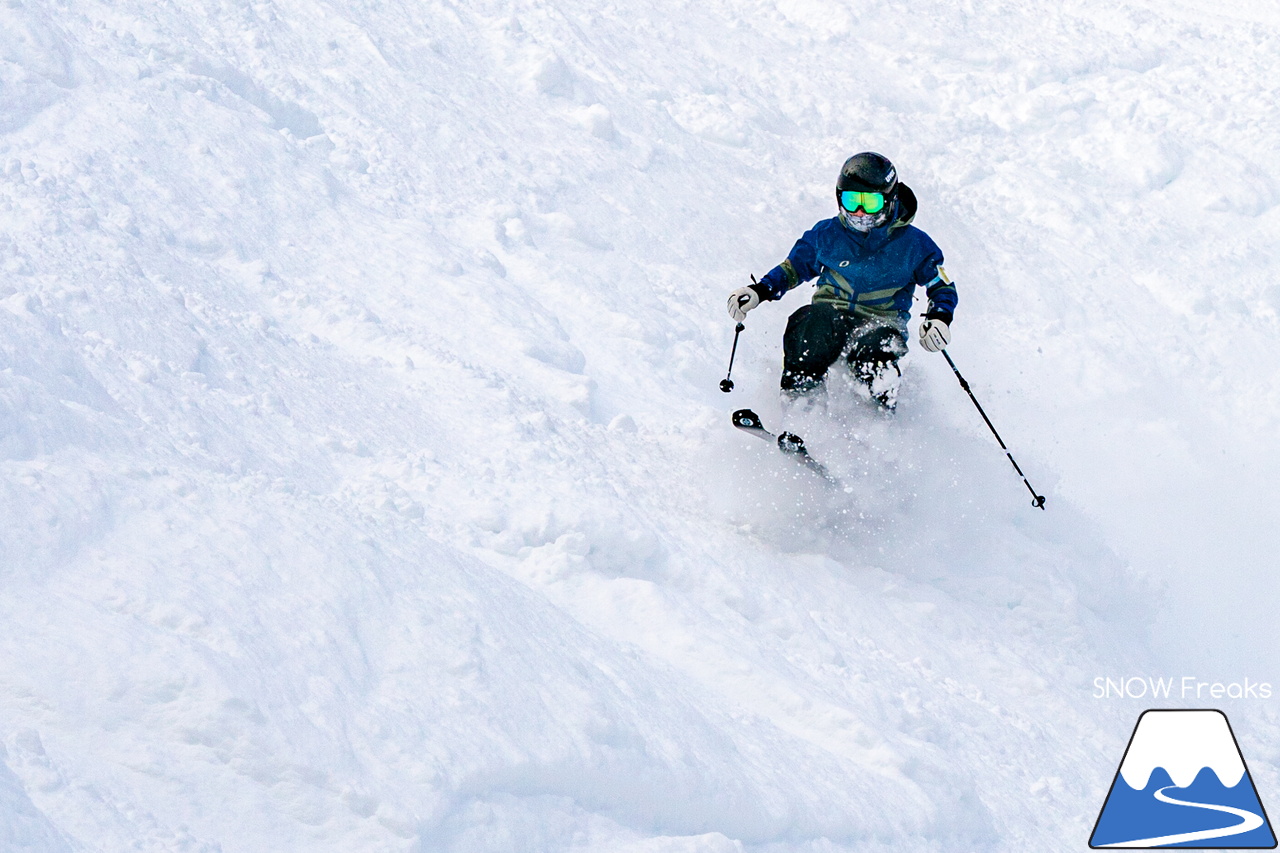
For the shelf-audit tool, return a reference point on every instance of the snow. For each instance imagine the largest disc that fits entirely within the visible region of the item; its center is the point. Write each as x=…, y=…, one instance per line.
x=365, y=483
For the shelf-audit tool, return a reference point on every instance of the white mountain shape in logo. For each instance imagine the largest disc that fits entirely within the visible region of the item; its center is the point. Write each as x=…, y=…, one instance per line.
x=1183, y=743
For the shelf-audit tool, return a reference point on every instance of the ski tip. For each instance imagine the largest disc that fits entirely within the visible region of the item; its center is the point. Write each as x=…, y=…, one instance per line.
x=746, y=419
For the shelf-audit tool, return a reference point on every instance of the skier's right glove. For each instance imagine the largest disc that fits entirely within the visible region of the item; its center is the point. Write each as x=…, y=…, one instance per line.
x=744, y=299
x=934, y=334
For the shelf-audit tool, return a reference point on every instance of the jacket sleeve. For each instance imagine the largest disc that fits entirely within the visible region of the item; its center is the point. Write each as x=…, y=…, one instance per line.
x=800, y=266
x=941, y=292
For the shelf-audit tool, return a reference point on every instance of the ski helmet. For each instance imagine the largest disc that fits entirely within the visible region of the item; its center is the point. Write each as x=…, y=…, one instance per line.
x=867, y=172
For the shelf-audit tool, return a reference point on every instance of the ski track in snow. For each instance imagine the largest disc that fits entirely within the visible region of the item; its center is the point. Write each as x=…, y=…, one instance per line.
x=366, y=485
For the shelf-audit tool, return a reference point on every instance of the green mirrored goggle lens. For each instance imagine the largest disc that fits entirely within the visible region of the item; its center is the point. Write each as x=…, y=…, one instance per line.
x=870, y=202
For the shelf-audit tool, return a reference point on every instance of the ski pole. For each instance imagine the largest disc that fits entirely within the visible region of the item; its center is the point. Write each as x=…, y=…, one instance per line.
x=1038, y=500
x=726, y=384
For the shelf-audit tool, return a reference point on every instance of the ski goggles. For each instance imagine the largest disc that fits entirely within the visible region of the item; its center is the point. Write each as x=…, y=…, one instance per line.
x=870, y=202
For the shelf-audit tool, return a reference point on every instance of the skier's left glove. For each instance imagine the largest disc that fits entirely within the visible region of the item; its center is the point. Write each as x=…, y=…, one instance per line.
x=744, y=299
x=934, y=334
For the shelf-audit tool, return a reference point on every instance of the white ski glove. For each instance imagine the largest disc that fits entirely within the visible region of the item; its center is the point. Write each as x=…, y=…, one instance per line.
x=741, y=301
x=934, y=335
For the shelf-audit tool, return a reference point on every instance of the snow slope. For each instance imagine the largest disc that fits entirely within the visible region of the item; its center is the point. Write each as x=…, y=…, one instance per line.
x=366, y=485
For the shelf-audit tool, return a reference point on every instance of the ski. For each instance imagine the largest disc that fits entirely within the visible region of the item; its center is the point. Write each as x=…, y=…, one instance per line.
x=788, y=442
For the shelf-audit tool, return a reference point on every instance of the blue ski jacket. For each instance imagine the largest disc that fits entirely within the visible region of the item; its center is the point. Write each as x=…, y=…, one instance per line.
x=875, y=274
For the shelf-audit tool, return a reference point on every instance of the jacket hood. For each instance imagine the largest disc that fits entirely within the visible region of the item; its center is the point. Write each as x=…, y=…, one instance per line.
x=907, y=206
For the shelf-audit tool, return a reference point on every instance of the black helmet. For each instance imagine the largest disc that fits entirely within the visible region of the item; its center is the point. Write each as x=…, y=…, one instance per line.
x=868, y=172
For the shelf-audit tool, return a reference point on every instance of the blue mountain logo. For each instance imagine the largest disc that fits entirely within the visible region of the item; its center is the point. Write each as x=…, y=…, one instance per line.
x=1183, y=783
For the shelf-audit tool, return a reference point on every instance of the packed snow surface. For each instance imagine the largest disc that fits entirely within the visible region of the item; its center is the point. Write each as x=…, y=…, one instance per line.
x=365, y=484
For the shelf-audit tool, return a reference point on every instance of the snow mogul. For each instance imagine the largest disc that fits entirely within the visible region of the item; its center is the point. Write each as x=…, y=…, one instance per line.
x=868, y=261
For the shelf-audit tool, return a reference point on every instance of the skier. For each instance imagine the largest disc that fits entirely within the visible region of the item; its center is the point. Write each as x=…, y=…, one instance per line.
x=868, y=261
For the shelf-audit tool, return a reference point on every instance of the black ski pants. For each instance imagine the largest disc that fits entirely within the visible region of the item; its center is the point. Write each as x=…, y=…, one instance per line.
x=818, y=334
